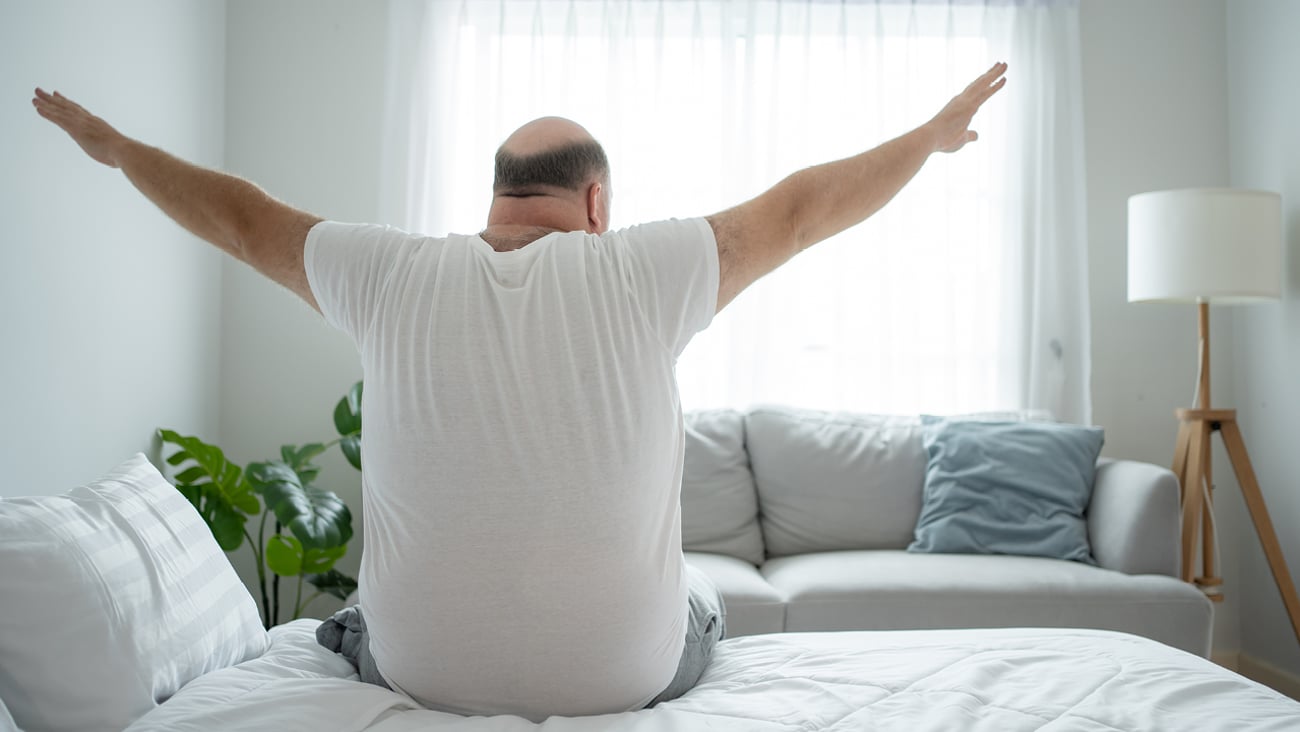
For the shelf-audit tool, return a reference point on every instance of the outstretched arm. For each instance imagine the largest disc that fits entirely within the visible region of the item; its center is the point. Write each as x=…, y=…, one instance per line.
x=816, y=203
x=229, y=212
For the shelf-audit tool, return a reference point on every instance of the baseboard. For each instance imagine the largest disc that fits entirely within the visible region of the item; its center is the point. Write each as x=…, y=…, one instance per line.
x=1269, y=675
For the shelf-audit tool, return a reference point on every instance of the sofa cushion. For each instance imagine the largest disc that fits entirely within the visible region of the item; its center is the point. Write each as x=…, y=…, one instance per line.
x=829, y=481
x=1007, y=488
x=112, y=597
x=719, y=507
x=897, y=590
x=752, y=605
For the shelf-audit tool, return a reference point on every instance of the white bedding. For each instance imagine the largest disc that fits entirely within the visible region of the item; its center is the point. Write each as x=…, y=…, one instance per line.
x=1003, y=680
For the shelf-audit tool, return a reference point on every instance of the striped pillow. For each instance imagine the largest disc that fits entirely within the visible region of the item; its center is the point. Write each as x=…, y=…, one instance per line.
x=112, y=597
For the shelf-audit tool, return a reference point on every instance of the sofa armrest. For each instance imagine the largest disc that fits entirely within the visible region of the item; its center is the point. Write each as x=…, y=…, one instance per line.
x=1133, y=519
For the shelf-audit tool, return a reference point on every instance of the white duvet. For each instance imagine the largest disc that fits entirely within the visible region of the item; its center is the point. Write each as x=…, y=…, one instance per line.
x=1001, y=680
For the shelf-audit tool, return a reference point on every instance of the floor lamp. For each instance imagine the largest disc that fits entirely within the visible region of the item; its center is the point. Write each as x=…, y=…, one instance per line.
x=1223, y=246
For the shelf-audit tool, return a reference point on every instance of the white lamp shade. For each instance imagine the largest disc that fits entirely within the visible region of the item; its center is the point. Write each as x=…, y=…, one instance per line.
x=1195, y=244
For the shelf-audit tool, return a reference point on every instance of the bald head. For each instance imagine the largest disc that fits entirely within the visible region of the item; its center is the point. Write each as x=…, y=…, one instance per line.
x=549, y=153
x=545, y=133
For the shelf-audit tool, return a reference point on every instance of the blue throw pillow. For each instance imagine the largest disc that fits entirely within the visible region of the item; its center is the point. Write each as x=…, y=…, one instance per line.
x=1007, y=488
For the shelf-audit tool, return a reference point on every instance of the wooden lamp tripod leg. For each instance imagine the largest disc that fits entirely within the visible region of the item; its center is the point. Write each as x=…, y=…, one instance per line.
x=1263, y=524
x=1193, y=439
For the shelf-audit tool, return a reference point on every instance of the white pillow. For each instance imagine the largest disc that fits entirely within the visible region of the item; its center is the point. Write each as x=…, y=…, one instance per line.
x=113, y=596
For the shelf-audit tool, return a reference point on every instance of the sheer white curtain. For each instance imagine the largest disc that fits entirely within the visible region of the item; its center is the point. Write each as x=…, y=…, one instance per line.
x=967, y=293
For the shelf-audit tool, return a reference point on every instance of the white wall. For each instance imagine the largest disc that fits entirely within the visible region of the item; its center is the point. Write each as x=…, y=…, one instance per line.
x=109, y=313
x=1155, y=109
x=1263, y=62
x=305, y=89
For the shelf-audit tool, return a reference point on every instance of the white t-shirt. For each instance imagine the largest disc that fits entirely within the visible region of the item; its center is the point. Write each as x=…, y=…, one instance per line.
x=522, y=458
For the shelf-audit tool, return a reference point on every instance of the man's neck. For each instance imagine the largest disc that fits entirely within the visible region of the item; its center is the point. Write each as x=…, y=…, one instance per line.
x=508, y=237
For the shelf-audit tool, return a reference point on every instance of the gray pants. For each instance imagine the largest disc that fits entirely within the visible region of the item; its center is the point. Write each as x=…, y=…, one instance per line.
x=706, y=624
x=345, y=634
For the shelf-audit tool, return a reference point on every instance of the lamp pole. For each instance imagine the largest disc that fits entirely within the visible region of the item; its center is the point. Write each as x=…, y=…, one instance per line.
x=1192, y=466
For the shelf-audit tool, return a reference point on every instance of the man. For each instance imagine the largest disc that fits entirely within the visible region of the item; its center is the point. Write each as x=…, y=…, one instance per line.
x=524, y=439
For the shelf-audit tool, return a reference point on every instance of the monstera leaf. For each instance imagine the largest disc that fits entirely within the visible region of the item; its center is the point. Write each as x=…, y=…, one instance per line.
x=347, y=420
x=217, y=487
x=318, y=518
x=299, y=458
x=333, y=583
x=286, y=557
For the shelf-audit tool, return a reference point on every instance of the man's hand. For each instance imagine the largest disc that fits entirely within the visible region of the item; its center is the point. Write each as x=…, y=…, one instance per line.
x=757, y=236
x=94, y=135
x=951, y=126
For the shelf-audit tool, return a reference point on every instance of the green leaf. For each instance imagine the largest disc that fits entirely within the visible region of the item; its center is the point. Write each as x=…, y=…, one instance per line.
x=191, y=474
x=318, y=518
x=284, y=555
x=347, y=420
x=306, y=453
x=351, y=447
x=215, y=486
x=245, y=501
x=227, y=527
x=333, y=582
x=299, y=458
x=347, y=414
x=321, y=560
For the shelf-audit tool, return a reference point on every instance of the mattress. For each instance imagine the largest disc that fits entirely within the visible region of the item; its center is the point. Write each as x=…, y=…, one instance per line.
x=1003, y=680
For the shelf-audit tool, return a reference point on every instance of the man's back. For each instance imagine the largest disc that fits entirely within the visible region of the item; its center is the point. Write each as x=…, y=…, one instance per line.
x=522, y=458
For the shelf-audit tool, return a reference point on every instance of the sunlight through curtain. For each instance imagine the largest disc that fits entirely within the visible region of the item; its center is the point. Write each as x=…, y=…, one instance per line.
x=967, y=293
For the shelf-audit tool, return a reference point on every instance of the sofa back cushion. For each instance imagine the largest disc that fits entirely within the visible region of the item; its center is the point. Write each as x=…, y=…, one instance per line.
x=719, y=508
x=829, y=481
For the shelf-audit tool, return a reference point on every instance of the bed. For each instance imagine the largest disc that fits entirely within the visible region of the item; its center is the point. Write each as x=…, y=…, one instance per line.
x=119, y=610
x=1000, y=680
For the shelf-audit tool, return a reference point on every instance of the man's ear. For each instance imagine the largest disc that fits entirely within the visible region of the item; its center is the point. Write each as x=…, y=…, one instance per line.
x=597, y=209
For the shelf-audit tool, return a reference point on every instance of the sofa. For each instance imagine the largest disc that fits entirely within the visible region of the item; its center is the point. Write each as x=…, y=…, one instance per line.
x=803, y=520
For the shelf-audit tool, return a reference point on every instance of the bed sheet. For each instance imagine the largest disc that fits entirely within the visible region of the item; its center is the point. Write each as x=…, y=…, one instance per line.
x=999, y=680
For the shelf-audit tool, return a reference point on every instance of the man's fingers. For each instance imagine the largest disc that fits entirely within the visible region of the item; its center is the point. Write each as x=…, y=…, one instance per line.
x=54, y=109
x=987, y=77
x=51, y=99
x=68, y=102
x=987, y=85
x=59, y=109
x=48, y=109
x=46, y=101
x=53, y=116
x=998, y=69
x=993, y=89
x=57, y=100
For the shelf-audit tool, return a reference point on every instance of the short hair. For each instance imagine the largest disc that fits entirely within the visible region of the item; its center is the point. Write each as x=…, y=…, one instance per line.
x=568, y=166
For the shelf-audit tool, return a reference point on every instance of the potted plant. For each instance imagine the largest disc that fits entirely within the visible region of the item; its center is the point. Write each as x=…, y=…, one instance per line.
x=312, y=525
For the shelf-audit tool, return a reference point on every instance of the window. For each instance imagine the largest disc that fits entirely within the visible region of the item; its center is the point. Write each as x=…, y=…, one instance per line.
x=703, y=104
